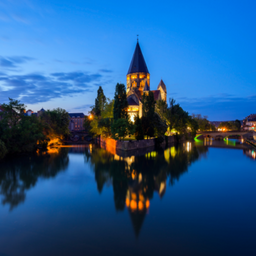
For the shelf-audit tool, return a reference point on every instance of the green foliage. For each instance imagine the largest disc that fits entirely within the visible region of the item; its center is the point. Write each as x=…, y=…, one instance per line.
x=139, y=134
x=105, y=125
x=120, y=103
x=203, y=123
x=147, y=126
x=193, y=125
x=148, y=107
x=121, y=128
x=3, y=150
x=87, y=123
x=101, y=125
x=23, y=134
x=148, y=112
x=231, y=125
x=161, y=109
x=160, y=126
x=99, y=102
x=55, y=123
x=12, y=112
x=176, y=118
x=18, y=132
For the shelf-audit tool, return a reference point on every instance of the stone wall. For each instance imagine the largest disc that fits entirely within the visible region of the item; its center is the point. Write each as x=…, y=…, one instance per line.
x=118, y=145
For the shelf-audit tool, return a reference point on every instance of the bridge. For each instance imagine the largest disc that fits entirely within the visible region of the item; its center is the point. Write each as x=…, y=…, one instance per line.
x=224, y=135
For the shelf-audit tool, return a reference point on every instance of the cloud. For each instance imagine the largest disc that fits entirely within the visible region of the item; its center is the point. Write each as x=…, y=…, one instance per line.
x=12, y=62
x=106, y=70
x=36, y=87
x=220, y=107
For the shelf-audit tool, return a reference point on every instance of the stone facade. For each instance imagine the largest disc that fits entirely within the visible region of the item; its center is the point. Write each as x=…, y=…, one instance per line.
x=138, y=83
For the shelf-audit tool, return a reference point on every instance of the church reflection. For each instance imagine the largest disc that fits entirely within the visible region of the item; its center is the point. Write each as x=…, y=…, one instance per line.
x=136, y=178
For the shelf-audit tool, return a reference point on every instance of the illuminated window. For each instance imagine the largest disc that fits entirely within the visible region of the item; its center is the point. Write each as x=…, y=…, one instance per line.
x=134, y=84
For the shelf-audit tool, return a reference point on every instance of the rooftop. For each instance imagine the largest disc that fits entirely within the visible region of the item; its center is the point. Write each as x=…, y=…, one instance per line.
x=138, y=63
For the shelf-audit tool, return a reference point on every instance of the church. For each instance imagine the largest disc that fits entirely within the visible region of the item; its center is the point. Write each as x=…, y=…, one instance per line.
x=138, y=83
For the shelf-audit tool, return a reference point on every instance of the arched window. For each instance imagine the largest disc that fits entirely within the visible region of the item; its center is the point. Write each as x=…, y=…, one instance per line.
x=142, y=84
x=134, y=84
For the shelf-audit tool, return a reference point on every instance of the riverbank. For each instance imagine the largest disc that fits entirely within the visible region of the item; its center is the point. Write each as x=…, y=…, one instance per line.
x=131, y=147
x=251, y=142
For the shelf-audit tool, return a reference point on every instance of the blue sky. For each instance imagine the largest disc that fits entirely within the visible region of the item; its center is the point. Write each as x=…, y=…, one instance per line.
x=56, y=53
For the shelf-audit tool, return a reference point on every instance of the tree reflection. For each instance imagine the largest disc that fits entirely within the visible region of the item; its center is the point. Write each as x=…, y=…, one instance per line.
x=16, y=177
x=136, y=178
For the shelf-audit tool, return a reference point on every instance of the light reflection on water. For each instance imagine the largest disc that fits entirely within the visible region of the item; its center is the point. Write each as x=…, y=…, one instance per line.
x=88, y=194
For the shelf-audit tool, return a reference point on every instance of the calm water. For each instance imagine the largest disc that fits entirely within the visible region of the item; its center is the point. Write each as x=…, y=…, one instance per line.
x=186, y=200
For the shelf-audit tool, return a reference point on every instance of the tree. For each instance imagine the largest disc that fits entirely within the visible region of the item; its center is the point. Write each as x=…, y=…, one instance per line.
x=148, y=107
x=160, y=126
x=148, y=111
x=147, y=126
x=231, y=125
x=18, y=132
x=99, y=102
x=237, y=125
x=56, y=123
x=139, y=134
x=100, y=125
x=177, y=117
x=203, y=123
x=121, y=128
x=120, y=103
x=161, y=108
x=12, y=112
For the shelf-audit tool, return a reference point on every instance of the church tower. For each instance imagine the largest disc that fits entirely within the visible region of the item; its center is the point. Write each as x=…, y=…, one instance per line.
x=138, y=75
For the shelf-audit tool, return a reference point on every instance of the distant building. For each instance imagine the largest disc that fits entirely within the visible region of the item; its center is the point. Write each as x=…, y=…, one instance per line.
x=76, y=121
x=249, y=123
x=138, y=83
x=40, y=112
x=29, y=112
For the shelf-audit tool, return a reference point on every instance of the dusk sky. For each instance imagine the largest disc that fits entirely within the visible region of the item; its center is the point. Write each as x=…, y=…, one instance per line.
x=56, y=53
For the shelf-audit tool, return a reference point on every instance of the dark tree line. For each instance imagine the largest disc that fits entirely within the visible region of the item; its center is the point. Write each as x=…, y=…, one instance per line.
x=23, y=134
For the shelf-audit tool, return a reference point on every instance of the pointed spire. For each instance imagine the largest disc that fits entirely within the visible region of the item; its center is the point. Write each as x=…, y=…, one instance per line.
x=146, y=87
x=161, y=84
x=138, y=63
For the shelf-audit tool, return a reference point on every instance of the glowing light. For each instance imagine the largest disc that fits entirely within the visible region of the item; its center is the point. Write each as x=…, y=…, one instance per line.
x=140, y=177
x=127, y=202
x=132, y=118
x=197, y=136
x=134, y=196
x=133, y=205
x=90, y=117
x=188, y=146
x=147, y=203
x=141, y=197
x=140, y=206
x=134, y=175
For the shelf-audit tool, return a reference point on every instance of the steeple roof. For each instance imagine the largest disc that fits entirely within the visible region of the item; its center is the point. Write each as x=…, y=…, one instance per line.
x=138, y=63
x=146, y=87
x=161, y=84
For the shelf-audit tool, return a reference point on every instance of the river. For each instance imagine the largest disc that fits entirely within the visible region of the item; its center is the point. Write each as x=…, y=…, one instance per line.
x=192, y=199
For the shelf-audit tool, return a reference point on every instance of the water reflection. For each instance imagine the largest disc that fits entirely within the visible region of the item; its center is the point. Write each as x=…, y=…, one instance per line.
x=136, y=178
x=17, y=177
